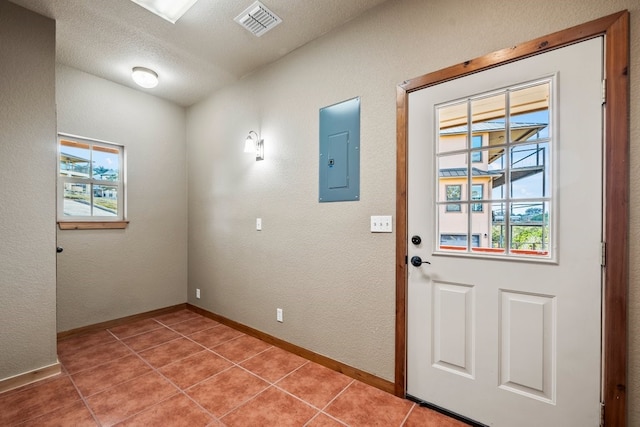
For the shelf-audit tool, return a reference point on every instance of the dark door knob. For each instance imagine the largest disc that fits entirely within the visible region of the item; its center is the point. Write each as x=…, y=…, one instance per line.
x=416, y=261
x=416, y=240
x=59, y=249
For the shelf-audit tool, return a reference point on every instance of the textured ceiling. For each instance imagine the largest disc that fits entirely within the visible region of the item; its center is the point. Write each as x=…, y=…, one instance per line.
x=203, y=51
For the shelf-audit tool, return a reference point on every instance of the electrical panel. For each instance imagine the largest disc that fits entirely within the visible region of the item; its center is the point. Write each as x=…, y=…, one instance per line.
x=340, y=152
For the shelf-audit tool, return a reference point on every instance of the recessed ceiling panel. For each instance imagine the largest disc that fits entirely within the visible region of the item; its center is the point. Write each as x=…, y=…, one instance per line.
x=171, y=10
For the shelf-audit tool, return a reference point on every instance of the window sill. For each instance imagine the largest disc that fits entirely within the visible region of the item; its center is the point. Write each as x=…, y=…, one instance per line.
x=92, y=225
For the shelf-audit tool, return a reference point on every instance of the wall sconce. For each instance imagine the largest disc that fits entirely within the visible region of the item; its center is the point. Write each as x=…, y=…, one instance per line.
x=253, y=144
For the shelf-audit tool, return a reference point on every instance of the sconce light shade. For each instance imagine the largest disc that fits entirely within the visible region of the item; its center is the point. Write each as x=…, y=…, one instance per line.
x=253, y=144
x=250, y=143
x=144, y=77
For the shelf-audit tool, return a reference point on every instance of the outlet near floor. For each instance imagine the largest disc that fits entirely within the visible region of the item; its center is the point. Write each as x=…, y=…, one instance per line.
x=197, y=293
x=279, y=315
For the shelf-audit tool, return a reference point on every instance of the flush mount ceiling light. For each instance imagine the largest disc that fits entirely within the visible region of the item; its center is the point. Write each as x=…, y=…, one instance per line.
x=171, y=10
x=145, y=77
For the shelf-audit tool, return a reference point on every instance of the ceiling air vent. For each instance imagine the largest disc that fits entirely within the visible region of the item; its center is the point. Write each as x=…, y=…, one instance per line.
x=257, y=19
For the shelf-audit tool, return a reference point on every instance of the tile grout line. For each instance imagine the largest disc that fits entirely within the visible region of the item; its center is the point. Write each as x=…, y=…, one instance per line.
x=274, y=384
x=100, y=364
x=321, y=410
x=216, y=324
x=306, y=362
x=244, y=402
x=179, y=389
x=137, y=377
x=136, y=353
x=338, y=395
x=238, y=365
x=335, y=398
x=62, y=375
x=233, y=365
x=271, y=383
x=215, y=420
x=406, y=417
x=202, y=330
x=211, y=350
x=318, y=409
x=160, y=325
x=326, y=415
x=83, y=399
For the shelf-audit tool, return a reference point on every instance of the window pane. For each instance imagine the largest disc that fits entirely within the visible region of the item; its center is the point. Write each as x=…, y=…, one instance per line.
x=477, y=193
x=530, y=230
x=481, y=228
x=530, y=171
x=476, y=142
x=452, y=223
x=77, y=199
x=527, y=238
x=452, y=127
x=453, y=207
x=458, y=241
x=498, y=226
x=106, y=163
x=452, y=172
x=105, y=200
x=488, y=110
x=488, y=115
x=529, y=113
x=496, y=160
x=75, y=158
x=453, y=192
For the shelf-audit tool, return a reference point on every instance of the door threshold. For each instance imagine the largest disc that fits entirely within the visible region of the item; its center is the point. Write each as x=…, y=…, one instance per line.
x=444, y=411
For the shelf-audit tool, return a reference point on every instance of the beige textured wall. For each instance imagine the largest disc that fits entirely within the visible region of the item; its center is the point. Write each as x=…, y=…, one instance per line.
x=333, y=278
x=107, y=274
x=27, y=192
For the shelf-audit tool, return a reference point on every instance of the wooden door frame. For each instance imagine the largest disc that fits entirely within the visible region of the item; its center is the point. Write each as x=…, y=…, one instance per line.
x=615, y=29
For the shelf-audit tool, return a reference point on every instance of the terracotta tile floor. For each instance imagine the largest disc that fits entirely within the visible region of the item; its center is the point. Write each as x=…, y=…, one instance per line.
x=182, y=369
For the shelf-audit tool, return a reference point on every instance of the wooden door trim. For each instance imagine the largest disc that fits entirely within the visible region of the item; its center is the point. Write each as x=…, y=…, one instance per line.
x=615, y=29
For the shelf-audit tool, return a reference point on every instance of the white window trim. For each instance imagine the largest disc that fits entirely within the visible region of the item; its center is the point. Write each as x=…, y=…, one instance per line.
x=92, y=222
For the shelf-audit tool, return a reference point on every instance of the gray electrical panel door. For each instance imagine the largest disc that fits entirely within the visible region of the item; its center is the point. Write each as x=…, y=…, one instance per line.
x=340, y=152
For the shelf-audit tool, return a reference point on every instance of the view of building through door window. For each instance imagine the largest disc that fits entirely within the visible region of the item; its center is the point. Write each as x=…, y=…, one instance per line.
x=494, y=173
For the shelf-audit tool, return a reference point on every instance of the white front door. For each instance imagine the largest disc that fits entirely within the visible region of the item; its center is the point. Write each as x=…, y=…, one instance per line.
x=505, y=199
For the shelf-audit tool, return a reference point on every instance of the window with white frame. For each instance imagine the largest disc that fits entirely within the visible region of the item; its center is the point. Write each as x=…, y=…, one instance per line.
x=494, y=153
x=477, y=191
x=90, y=180
x=453, y=194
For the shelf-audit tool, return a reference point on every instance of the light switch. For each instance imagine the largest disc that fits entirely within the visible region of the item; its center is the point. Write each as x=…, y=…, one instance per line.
x=258, y=224
x=381, y=224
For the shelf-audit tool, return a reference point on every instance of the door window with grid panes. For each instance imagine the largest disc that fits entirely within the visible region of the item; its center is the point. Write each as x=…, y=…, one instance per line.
x=494, y=154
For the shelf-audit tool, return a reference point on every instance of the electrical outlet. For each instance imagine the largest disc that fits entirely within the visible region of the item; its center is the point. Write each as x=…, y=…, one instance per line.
x=258, y=224
x=279, y=315
x=197, y=293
